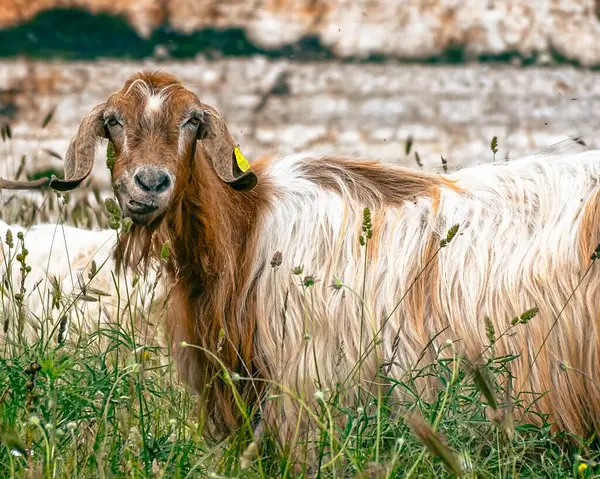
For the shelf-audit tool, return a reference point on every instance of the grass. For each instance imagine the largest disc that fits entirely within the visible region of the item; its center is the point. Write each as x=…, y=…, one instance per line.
x=107, y=402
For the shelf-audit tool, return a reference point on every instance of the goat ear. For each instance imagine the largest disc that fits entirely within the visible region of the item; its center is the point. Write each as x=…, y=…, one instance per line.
x=224, y=154
x=79, y=159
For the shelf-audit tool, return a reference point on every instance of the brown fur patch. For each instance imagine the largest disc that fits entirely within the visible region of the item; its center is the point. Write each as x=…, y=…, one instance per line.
x=451, y=184
x=419, y=299
x=371, y=182
x=213, y=241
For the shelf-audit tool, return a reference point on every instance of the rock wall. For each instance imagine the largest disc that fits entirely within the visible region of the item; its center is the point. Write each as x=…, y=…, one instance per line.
x=359, y=28
x=285, y=106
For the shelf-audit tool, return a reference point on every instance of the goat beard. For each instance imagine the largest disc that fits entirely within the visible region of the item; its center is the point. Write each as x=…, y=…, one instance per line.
x=142, y=244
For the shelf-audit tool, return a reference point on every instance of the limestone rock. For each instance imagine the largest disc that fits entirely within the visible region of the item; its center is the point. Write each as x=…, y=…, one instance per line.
x=284, y=106
x=359, y=28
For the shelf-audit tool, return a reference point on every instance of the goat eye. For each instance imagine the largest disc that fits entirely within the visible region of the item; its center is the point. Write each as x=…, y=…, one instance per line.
x=113, y=122
x=193, y=121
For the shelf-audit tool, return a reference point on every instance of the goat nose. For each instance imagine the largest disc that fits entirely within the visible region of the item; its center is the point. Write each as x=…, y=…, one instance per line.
x=152, y=180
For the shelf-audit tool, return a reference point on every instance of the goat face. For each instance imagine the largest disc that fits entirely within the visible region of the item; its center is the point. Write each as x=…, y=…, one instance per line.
x=157, y=127
x=153, y=131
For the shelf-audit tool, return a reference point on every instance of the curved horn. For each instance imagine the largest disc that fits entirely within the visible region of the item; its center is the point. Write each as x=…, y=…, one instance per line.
x=224, y=153
x=23, y=185
x=79, y=159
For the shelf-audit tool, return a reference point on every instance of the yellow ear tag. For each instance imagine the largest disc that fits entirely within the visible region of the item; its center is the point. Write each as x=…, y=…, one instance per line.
x=241, y=161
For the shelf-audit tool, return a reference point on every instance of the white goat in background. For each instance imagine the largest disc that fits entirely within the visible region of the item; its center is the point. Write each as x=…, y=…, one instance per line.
x=60, y=260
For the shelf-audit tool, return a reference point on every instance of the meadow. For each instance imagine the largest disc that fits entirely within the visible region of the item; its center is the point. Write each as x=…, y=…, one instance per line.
x=107, y=402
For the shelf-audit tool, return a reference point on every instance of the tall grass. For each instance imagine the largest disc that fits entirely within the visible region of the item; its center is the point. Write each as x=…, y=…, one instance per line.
x=106, y=401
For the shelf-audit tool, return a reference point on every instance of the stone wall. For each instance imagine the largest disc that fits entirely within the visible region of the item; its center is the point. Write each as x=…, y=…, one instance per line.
x=368, y=110
x=361, y=28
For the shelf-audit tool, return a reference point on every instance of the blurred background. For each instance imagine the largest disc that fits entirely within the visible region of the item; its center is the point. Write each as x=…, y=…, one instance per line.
x=361, y=77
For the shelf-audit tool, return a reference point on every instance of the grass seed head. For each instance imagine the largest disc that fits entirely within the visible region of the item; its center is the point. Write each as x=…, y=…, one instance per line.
x=110, y=156
x=337, y=284
x=276, y=260
x=484, y=382
x=494, y=145
x=434, y=442
x=34, y=421
x=489, y=330
x=525, y=317
x=62, y=329
x=298, y=270
x=367, y=227
x=9, y=239
x=449, y=236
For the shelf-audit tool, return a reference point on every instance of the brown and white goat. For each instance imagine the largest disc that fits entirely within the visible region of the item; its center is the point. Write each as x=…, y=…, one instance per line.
x=527, y=230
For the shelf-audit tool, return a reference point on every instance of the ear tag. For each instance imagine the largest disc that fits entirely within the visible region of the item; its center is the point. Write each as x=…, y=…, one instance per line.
x=240, y=160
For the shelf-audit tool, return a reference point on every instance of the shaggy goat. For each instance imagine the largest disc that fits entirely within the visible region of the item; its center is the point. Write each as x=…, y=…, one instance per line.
x=60, y=261
x=527, y=231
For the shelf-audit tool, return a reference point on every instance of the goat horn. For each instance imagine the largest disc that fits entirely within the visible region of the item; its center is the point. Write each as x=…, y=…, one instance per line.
x=23, y=185
x=55, y=183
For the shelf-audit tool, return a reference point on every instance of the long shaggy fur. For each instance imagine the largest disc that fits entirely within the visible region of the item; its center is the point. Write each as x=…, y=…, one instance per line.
x=527, y=230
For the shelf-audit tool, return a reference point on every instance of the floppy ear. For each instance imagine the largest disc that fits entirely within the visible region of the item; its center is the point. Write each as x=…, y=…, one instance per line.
x=79, y=159
x=220, y=147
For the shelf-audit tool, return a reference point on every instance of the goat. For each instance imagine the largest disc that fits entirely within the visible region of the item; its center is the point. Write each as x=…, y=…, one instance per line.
x=59, y=261
x=527, y=230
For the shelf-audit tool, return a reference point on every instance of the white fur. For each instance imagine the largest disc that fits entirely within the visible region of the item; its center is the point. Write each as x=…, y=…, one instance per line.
x=517, y=248
x=154, y=103
x=66, y=253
